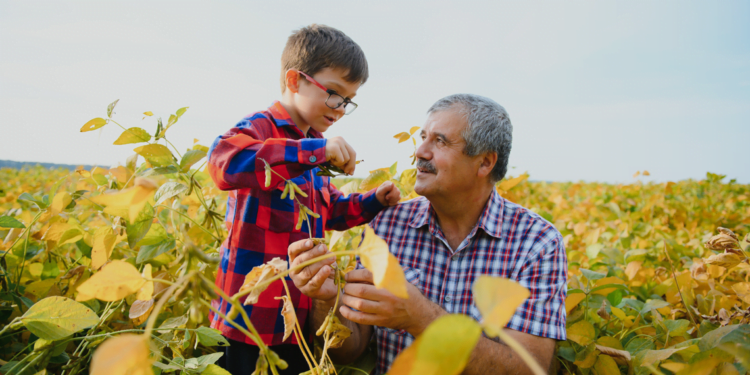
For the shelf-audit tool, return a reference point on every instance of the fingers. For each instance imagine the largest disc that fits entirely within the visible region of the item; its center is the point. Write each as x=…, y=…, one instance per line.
x=362, y=276
x=319, y=278
x=360, y=304
x=299, y=247
x=393, y=196
x=358, y=316
x=304, y=275
x=351, y=163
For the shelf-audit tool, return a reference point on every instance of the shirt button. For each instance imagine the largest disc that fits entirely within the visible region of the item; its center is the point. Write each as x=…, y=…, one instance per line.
x=447, y=298
x=313, y=159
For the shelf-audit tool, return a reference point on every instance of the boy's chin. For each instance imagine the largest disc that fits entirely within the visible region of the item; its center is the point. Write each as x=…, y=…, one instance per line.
x=320, y=128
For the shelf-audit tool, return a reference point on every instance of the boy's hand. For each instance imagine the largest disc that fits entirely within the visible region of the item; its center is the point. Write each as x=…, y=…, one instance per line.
x=341, y=154
x=388, y=194
x=312, y=280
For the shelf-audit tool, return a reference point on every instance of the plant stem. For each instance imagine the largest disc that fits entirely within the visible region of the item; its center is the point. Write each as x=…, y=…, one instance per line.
x=677, y=285
x=301, y=341
x=193, y=221
x=297, y=267
x=175, y=148
x=521, y=351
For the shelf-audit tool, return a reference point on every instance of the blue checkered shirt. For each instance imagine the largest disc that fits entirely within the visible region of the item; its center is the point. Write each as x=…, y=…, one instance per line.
x=508, y=241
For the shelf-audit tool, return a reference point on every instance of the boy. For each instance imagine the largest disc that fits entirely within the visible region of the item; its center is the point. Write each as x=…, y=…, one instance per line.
x=322, y=69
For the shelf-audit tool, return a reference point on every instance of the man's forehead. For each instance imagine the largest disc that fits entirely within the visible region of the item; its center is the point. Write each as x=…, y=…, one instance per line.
x=449, y=121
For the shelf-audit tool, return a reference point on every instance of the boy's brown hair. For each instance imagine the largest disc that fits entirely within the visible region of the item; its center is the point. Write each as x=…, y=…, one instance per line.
x=316, y=47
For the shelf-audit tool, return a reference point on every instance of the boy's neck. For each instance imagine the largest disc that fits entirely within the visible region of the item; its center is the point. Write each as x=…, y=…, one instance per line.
x=291, y=109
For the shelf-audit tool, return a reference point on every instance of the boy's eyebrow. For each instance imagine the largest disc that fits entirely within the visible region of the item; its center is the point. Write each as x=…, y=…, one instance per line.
x=335, y=86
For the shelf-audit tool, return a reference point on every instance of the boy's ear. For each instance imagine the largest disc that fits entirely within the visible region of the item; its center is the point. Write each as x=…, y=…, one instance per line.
x=292, y=80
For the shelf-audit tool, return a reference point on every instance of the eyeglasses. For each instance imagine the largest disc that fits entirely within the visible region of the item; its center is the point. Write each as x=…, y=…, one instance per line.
x=334, y=100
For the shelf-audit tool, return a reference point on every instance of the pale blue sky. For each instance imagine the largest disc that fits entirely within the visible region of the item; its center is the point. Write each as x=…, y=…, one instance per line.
x=596, y=90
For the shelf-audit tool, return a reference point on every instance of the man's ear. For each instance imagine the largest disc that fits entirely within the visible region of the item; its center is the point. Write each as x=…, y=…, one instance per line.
x=292, y=80
x=487, y=164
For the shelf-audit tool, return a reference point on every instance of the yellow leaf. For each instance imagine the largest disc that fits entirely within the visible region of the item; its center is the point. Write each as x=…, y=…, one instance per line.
x=115, y=281
x=582, y=333
x=104, y=242
x=573, y=300
x=123, y=354
x=374, y=180
x=260, y=274
x=645, y=173
x=335, y=237
x=443, y=348
x=402, y=137
x=140, y=310
x=289, y=316
x=147, y=290
x=607, y=281
x=743, y=291
x=148, y=113
x=386, y=272
x=727, y=260
x=413, y=129
x=158, y=155
x=133, y=199
x=605, y=365
x=94, y=124
x=497, y=299
x=509, y=184
x=349, y=187
x=638, y=173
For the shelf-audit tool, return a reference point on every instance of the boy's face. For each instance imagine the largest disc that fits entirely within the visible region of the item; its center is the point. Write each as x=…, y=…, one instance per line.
x=310, y=102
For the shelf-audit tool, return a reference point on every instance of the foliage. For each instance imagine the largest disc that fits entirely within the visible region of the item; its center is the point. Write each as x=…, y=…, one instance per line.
x=111, y=270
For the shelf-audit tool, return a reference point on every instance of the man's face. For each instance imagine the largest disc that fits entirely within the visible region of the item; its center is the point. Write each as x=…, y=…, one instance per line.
x=311, y=102
x=442, y=167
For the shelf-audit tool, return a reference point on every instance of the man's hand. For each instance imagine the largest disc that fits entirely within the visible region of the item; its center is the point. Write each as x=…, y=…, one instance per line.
x=381, y=308
x=388, y=194
x=341, y=154
x=312, y=280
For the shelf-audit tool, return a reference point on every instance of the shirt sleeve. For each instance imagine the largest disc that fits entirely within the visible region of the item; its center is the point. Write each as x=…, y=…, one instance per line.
x=235, y=160
x=353, y=210
x=545, y=275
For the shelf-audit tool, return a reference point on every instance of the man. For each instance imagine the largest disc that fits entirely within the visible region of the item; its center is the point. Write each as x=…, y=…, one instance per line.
x=458, y=230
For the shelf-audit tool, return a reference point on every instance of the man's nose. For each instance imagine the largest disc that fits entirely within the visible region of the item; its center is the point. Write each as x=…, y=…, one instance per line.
x=423, y=151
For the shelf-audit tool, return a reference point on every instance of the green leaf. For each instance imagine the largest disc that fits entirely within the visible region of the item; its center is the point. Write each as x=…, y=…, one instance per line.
x=215, y=370
x=151, y=251
x=191, y=157
x=160, y=171
x=211, y=337
x=168, y=190
x=732, y=334
x=10, y=222
x=677, y=327
x=111, y=107
x=615, y=297
x=181, y=111
x=653, y=304
x=201, y=363
x=156, y=154
x=593, y=250
x=133, y=135
x=137, y=230
x=393, y=169
x=635, y=255
x=93, y=124
x=172, y=120
x=608, y=286
x=173, y=322
x=591, y=275
x=54, y=318
x=582, y=333
x=26, y=197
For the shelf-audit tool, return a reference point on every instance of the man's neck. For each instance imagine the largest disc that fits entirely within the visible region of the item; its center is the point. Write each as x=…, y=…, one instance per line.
x=458, y=214
x=291, y=109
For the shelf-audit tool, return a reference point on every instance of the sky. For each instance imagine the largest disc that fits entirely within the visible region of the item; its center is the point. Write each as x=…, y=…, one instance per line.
x=595, y=90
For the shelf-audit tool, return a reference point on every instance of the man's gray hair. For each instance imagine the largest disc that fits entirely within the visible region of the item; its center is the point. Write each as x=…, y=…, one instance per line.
x=488, y=130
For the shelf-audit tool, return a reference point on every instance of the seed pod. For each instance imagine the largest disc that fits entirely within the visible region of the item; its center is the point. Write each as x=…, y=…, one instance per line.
x=208, y=289
x=311, y=213
x=323, y=326
x=290, y=184
x=302, y=216
x=318, y=241
x=268, y=177
x=285, y=192
x=196, y=316
x=299, y=191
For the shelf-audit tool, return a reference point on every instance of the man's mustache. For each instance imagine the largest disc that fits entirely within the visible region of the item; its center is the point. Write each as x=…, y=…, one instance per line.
x=426, y=165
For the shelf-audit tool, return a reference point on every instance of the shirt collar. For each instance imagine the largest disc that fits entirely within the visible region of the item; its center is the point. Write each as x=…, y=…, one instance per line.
x=281, y=118
x=490, y=220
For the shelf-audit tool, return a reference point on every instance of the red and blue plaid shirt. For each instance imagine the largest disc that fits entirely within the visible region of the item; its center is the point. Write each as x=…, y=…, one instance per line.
x=260, y=224
x=508, y=241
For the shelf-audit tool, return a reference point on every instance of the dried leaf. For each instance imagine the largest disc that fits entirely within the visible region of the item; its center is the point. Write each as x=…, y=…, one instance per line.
x=260, y=274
